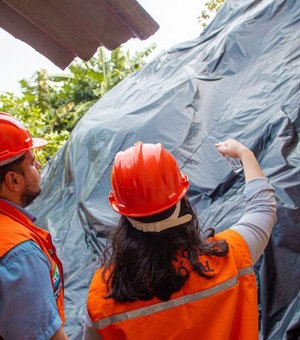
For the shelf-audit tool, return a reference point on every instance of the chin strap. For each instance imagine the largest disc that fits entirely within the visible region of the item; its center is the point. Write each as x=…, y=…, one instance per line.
x=171, y=221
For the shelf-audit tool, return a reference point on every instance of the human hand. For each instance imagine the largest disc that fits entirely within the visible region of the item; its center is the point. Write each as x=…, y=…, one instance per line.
x=232, y=148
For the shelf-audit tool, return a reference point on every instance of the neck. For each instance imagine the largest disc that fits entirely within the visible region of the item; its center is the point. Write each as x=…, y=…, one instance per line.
x=12, y=198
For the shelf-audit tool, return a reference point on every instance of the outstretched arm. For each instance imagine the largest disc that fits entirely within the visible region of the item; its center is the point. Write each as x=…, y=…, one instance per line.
x=257, y=222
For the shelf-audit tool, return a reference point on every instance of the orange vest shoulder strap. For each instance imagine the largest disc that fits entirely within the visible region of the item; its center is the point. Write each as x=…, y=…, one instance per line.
x=16, y=228
x=237, y=246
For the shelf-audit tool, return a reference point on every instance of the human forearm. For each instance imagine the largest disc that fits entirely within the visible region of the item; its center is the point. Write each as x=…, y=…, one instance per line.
x=252, y=169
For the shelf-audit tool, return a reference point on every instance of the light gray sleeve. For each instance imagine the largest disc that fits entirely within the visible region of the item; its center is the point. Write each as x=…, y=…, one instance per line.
x=257, y=222
x=89, y=332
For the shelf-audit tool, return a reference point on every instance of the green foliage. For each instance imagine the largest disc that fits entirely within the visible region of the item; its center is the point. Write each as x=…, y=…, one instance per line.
x=211, y=7
x=51, y=105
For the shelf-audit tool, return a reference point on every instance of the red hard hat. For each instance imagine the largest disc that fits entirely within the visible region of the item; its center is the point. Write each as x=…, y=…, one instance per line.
x=15, y=140
x=146, y=180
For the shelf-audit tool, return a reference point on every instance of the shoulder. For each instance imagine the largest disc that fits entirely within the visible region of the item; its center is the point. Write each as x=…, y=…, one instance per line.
x=16, y=231
x=238, y=247
x=20, y=252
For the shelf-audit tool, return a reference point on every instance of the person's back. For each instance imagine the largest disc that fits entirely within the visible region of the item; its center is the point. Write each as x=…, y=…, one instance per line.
x=164, y=279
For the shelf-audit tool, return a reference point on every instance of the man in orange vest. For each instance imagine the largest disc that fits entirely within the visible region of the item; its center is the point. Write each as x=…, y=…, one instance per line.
x=31, y=277
x=163, y=278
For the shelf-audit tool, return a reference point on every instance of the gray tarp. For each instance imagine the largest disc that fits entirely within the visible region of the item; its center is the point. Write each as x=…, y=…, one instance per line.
x=239, y=79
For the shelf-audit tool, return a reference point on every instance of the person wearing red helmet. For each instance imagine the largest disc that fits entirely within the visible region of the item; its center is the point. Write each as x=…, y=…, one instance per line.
x=31, y=288
x=162, y=277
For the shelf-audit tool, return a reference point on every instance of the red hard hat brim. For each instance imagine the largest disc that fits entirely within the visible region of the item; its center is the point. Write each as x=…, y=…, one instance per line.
x=36, y=143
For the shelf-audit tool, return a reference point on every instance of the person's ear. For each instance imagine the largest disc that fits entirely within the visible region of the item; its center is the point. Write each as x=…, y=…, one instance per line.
x=13, y=181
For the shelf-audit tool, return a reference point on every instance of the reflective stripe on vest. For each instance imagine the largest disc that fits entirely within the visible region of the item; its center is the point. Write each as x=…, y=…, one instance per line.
x=163, y=306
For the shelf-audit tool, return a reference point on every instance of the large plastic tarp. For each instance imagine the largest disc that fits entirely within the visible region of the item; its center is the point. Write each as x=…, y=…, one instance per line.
x=239, y=79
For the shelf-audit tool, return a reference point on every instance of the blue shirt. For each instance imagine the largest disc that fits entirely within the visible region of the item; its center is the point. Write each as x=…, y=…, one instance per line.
x=27, y=302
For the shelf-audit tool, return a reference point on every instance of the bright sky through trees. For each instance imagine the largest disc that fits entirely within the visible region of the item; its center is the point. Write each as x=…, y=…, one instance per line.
x=178, y=23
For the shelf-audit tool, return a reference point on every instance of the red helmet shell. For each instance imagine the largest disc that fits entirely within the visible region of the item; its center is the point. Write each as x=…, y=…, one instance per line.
x=146, y=180
x=15, y=139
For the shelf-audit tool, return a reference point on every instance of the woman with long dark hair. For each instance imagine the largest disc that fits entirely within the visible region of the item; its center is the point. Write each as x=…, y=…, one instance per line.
x=162, y=277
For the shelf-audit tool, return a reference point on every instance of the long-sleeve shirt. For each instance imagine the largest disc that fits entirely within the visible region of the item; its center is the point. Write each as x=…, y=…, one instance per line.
x=257, y=222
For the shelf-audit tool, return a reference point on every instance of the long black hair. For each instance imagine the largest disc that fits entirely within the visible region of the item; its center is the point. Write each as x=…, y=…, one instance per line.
x=141, y=265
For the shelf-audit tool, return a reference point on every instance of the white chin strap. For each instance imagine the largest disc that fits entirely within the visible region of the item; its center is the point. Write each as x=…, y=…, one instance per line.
x=171, y=221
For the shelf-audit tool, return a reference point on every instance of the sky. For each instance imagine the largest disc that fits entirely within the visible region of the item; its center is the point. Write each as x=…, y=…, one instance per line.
x=178, y=23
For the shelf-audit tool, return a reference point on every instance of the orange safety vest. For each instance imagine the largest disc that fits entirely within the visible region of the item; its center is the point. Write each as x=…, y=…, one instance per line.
x=222, y=307
x=16, y=228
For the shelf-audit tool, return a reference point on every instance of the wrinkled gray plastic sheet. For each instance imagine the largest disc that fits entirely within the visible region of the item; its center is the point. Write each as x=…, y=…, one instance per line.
x=239, y=79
